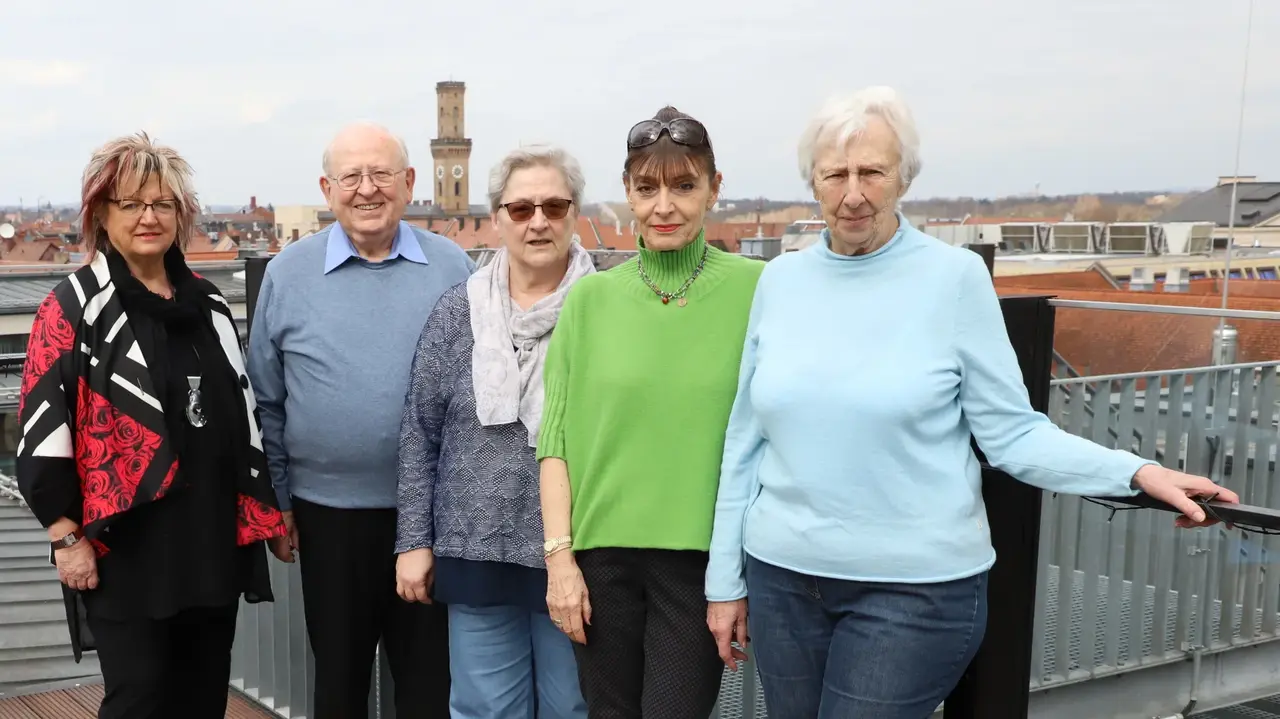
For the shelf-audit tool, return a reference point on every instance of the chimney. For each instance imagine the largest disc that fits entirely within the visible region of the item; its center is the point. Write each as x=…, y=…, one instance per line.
x=253, y=203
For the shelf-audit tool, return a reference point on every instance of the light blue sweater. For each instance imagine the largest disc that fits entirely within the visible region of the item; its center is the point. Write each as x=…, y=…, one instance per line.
x=330, y=349
x=848, y=454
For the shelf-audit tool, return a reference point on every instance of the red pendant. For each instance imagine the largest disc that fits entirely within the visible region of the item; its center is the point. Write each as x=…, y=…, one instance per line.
x=665, y=300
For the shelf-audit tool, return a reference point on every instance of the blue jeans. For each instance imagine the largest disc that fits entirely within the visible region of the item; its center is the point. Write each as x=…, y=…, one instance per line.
x=508, y=661
x=830, y=648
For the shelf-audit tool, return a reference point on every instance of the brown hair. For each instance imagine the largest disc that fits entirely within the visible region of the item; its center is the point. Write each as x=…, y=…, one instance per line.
x=125, y=163
x=668, y=158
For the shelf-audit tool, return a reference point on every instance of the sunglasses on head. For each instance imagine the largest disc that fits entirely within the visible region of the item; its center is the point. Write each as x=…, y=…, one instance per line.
x=522, y=210
x=683, y=131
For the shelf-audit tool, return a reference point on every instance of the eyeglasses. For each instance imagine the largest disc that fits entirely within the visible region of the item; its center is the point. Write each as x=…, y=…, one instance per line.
x=352, y=180
x=683, y=130
x=162, y=208
x=522, y=210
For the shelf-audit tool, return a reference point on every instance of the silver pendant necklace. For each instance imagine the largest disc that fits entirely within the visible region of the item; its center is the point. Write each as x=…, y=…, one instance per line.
x=195, y=401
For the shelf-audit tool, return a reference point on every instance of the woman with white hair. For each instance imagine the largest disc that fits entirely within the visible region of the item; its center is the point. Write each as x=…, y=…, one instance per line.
x=470, y=524
x=850, y=507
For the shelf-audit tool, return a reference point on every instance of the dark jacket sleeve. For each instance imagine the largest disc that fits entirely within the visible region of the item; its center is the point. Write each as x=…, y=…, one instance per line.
x=46, y=465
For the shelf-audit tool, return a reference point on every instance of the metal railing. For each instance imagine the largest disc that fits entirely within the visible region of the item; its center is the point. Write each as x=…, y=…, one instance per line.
x=1123, y=590
x=9, y=490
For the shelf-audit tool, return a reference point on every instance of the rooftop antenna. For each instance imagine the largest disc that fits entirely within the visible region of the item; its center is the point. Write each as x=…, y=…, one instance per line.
x=1235, y=184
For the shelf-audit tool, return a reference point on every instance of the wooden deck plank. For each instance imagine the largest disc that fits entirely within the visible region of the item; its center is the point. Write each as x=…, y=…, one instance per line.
x=82, y=703
x=15, y=709
x=58, y=704
x=89, y=696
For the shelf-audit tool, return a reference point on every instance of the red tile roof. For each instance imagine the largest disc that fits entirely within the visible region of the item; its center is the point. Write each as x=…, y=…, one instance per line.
x=1112, y=342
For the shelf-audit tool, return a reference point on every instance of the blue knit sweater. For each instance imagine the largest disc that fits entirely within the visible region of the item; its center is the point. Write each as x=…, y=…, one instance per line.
x=329, y=356
x=848, y=450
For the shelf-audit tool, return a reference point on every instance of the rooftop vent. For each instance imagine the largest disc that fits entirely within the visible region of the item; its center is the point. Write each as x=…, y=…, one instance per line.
x=1141, y=279
x=1177, y=279
x=1136, y=238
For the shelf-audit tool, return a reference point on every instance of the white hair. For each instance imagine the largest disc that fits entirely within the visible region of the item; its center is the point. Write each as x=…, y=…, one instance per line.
x=842, y=118
x=365, y=125
x=537, y=156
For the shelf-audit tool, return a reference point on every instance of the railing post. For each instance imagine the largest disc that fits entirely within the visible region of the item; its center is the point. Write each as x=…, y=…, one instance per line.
x=255, y=269
x=997, y=683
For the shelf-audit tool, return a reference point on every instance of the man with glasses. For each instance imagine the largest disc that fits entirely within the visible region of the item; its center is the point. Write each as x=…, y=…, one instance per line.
x=336, y=324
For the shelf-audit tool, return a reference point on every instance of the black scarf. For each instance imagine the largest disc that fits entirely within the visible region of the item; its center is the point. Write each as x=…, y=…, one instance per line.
x=187, y=316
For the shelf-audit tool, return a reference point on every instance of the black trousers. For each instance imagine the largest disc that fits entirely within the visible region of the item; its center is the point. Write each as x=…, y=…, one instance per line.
x=349, y=599
x=163, y=668
x=649, y=654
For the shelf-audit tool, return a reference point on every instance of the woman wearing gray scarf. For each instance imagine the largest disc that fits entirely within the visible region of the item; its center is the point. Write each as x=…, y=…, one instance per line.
x=470, y=525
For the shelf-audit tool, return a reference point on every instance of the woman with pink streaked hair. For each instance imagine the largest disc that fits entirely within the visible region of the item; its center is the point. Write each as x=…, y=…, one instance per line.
x=140, y=450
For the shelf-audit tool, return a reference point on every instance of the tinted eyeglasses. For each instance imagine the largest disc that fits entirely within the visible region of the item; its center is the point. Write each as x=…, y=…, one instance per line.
x=522, y=210
x=683, y=131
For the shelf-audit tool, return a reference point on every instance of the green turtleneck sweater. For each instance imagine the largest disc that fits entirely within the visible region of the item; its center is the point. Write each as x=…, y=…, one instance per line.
x=638, y=395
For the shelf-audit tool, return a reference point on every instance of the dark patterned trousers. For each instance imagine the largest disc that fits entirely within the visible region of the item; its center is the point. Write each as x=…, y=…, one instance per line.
x=649, y=654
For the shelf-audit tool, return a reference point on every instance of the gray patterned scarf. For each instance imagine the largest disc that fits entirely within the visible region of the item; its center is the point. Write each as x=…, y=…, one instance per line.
x=510, y=344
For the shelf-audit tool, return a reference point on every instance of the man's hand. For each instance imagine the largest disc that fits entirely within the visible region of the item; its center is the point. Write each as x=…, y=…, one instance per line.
x=283, y=547
x=728, y=623
x=292, y=528
x=415, y=573
x=77, y=566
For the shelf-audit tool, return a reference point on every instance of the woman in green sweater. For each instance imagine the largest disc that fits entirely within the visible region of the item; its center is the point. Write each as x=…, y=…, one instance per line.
x=640, y=378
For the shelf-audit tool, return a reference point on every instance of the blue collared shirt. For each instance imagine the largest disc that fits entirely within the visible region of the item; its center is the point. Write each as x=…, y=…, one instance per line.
x=339, y=249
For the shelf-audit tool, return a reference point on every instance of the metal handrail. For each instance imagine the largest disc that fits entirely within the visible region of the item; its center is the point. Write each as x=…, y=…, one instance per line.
x=1165, y=309
x=9, y=488
x=1156, y=373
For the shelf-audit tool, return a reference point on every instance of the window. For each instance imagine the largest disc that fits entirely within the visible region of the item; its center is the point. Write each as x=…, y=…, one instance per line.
x=439, y=189
x=457, y=189
x=13, y=344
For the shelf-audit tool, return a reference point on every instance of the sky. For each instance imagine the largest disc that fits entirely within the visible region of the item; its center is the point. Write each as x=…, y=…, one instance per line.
x=1070, y=95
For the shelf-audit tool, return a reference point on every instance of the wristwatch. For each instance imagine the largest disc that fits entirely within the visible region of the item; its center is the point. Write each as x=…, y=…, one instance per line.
x=550, y=546
x=68, y=540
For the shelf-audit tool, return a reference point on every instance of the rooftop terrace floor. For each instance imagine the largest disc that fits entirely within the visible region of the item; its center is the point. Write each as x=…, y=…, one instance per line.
x=1265, y=708
x=82, y=703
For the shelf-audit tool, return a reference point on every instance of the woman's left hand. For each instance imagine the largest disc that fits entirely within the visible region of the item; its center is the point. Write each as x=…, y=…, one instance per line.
x=1177, y=489
x=282, y=548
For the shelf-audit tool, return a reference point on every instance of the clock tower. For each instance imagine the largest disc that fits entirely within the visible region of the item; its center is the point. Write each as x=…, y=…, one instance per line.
x=451, y=151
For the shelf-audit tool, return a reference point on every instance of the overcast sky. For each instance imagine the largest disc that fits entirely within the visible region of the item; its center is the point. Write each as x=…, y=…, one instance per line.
x=1077, y=95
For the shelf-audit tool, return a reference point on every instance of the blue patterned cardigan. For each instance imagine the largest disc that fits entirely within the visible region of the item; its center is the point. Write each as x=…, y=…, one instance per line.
x=465, y=490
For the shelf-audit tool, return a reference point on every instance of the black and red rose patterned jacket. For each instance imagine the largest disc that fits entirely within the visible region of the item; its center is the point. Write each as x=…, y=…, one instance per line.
x=94, y=440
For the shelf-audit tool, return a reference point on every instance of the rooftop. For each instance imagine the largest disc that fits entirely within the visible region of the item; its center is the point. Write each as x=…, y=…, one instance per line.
x=24, y=287
x=1256, y=202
